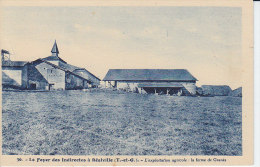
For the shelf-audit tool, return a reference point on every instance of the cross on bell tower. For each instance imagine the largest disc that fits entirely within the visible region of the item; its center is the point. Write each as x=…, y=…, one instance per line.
x=55, y=50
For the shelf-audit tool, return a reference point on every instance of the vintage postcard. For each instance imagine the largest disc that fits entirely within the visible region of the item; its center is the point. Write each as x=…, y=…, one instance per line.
x=126, y=83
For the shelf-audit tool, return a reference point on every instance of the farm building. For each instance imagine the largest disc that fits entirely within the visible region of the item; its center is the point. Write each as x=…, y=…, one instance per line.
x=49, y=73
x=13, y=73
x=214, y=90
x=237, y=92
x=158, y=81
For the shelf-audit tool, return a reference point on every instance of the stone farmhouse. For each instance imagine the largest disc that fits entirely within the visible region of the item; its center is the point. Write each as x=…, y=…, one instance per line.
x=49, y=73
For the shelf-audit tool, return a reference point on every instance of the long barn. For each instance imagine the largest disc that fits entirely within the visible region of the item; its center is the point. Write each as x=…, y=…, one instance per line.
x=158, y=81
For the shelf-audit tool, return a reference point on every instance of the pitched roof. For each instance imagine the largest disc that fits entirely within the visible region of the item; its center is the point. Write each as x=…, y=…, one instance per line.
x=55, y=66
x=148, y=75
x=55, y=48
x=78, y=71
x=13, y=63
x=65, y=66
x=53, y=58
x=68, y=66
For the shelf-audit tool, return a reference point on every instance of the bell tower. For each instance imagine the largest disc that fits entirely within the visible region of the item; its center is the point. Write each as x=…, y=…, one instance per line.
x=55, y=50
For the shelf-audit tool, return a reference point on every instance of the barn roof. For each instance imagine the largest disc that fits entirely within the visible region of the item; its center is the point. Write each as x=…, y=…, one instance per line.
x=13, y=63
x=149, y=75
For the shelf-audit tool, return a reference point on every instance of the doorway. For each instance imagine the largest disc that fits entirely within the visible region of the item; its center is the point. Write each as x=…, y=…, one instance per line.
x=51, y=86
x=32, y=86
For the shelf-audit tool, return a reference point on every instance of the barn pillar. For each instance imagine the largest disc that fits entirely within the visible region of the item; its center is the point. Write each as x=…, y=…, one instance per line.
x=179, y=92
x=167, y=91
x=154, y=90
x=115, y=84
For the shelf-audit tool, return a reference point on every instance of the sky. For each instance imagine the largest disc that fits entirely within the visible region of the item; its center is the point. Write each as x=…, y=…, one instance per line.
x=204, y=40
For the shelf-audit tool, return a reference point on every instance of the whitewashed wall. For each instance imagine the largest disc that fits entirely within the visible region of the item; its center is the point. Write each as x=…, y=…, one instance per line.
x=16, y=75
x=191, y=87
x=52, y=75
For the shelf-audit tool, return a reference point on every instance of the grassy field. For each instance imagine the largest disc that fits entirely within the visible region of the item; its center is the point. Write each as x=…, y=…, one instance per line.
x=109, y=123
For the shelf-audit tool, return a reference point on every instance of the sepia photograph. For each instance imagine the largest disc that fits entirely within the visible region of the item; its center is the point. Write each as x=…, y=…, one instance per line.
x=123, y=80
